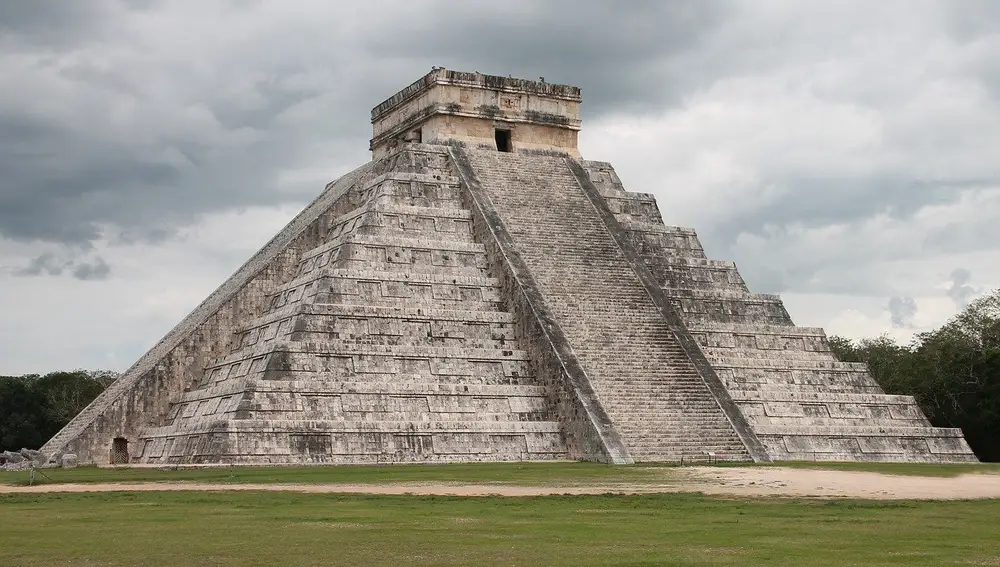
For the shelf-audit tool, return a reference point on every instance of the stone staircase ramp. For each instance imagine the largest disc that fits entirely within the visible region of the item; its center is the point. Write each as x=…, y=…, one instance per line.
x=650, y=389
x=800, y=401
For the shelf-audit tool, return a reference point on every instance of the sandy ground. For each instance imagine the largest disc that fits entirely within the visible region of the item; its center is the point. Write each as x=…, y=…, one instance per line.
x=768, y=481
x=756, y=481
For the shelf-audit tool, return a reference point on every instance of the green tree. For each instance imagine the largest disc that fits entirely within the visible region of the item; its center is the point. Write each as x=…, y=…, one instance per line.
x=33, y=408
x=953, y=372
x=22, y=414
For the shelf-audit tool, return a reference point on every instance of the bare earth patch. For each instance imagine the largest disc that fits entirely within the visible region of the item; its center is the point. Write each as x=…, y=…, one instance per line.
x=779, y=481
x=748, y=481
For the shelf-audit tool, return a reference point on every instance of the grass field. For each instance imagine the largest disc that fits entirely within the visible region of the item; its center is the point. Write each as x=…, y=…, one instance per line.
x=522, y=474
x=293, y=530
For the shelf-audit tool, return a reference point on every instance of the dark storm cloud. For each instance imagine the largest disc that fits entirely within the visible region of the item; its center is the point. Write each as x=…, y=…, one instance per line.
x=51, y=23
x=625, y=56
x=71, y=179
x=135, y=143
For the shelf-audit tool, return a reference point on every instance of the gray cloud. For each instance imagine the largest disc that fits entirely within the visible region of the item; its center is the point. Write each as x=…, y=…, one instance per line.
x=824, y=146
x=133, y=137
x=960, y=291
x=902, y=310
x=51, y=264
x=52, y=23
x=144, y=144
x=625, y=59
x=98, y=270
x=45, y=264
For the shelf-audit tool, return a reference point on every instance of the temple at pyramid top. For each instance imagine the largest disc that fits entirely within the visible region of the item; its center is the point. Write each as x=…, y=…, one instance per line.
x=481, y=111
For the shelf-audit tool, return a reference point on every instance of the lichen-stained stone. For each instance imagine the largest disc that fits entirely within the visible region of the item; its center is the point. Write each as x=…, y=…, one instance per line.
x=478, y=293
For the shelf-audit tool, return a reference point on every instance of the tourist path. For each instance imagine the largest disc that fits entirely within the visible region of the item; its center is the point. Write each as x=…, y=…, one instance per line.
x=731, y=481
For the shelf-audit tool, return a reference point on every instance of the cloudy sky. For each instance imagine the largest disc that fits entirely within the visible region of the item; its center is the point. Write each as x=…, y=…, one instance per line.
x=843, y=153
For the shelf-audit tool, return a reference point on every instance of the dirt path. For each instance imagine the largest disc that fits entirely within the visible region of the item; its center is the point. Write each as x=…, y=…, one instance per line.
x=755, y=481
x=777, y=481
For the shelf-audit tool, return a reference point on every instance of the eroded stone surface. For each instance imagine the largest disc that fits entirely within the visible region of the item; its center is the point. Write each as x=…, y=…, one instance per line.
x=800, y=401
x=451, y=301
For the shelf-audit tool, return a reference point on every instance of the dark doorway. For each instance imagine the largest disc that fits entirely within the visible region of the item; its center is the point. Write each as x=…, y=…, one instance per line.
x=503, y=140
x=119, y=451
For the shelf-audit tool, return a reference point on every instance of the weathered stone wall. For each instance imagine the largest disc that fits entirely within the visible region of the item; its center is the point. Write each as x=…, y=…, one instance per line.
x=479, y=133
x=141, y=396
x=388, y=344
x=466, y=107
x=799, y=400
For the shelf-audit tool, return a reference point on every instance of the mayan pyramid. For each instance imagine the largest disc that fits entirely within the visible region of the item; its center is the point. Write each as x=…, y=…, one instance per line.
x=479, y=292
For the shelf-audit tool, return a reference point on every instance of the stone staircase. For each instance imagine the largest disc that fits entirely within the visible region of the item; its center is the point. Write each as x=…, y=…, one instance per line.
x=389, y=344
x=799, y=400
x=656, y=399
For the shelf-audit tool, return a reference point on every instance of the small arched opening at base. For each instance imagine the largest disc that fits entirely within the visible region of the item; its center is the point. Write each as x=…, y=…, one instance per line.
x=119, y=451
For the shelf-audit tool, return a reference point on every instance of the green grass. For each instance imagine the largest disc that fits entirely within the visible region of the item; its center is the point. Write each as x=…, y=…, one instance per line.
x=295, y=530
x=521, y=474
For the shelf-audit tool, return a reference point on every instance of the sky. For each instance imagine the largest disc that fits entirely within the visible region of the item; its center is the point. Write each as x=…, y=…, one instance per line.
x=843, y=153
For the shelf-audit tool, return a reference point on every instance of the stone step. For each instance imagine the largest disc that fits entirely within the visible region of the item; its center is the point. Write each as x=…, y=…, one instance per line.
x=401, y=276
x=636, y=225
x=393, y=209
x=404, y=181
x=380, y=353
x=317, y=426
x=904, y=457
x=443, y=200
x=762, y=391
x=771, y=357
x=858, y=431
x=778, y=364
x=358, y=311
x=801, y=421
x=298, y=321
x=755, y=329
x=333, y=297
x=390, y=386
x=404, y=339
x=452, y=266
x=814, y=395
x=417, y=222
x=397, y=242
x=719, y=294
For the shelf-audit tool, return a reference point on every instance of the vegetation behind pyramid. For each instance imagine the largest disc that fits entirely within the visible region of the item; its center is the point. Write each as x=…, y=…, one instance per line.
x=479, y=292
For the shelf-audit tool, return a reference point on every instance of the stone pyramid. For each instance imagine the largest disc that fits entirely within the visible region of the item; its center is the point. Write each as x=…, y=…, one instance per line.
x=480, y=292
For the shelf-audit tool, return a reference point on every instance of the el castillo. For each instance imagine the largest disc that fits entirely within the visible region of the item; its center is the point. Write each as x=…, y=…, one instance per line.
x=479, y=291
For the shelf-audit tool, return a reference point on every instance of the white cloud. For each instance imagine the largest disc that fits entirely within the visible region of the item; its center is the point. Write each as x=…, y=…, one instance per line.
x=54, y=323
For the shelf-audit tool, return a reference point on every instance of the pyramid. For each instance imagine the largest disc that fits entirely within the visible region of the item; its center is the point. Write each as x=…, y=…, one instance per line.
x=479, y=292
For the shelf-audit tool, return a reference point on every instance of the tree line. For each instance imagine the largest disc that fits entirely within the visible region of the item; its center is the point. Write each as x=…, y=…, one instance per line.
x=33, y=408
x=953, y=372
